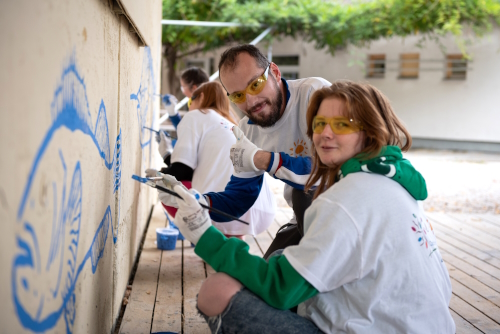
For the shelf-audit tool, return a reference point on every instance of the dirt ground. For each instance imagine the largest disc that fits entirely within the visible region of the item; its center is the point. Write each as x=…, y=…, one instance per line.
x=457, y=181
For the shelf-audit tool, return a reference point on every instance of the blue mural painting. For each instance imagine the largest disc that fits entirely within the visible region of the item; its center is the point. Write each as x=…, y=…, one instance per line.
x=43, y=281
x=142, y=98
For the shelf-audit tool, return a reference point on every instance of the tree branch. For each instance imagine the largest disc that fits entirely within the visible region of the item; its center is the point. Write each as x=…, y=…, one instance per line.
x=190, y=52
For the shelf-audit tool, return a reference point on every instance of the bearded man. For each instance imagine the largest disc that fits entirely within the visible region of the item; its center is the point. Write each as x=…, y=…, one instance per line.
x=271, y=137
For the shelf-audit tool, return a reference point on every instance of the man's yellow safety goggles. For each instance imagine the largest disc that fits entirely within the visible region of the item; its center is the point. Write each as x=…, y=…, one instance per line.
x=339, y=125
x=254, y=88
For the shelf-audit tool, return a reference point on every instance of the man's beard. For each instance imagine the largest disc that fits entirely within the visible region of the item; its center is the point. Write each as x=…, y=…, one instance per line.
x=275, y=114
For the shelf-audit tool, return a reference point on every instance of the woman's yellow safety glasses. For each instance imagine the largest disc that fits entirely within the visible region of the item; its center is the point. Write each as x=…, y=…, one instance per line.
x=339, y=125
x=254, y=88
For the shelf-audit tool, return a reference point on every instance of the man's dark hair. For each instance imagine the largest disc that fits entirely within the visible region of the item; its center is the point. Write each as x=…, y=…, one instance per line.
x=228, y=58
x=194, y=76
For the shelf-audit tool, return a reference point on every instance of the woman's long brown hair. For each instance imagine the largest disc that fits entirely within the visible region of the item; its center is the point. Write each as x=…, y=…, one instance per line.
x=215, y=98
x=367, y=105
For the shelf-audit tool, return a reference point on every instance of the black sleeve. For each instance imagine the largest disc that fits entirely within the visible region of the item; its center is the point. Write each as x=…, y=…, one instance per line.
x=167, y=160
x=180, y=171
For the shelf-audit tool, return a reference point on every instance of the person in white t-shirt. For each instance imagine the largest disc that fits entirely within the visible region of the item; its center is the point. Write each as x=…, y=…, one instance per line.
x=368, y=261
x=204, y=140
x=190, y=80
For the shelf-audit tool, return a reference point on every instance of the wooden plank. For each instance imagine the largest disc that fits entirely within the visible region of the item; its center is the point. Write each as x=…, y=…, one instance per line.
x=193, y=277
x=474, y=261
x=474, y=284
x=462, y=325
x=468, y=245
x=254, y=248
x=472, y=232
x=168, y=309
x=492, y=218
x=480, y=275
x=478, y=302
x=264, y=241
x=139, y=310
x=281, y=217
x=477, y=222
x=476, y=318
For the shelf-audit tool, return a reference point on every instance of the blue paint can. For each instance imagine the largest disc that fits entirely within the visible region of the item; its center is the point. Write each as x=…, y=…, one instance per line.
x=166, y=238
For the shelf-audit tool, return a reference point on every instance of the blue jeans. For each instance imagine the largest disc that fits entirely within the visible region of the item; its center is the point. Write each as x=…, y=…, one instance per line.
x=248, y=314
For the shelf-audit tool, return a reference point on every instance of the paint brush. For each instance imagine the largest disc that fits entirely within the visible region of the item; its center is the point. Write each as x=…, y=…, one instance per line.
x=158, y=132
x=150, y=182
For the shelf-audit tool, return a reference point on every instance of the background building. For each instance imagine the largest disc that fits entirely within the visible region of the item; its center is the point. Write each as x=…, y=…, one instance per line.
x=445, y=100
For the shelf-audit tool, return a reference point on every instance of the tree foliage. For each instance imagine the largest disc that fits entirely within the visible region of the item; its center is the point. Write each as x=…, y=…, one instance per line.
x=327, y=24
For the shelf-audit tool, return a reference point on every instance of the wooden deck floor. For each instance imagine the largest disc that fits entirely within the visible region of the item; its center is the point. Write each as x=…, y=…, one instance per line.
x=163, y=297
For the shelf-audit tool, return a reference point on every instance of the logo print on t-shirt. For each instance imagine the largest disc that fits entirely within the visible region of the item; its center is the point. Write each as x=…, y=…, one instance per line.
x=425, y=233
x=299, y=149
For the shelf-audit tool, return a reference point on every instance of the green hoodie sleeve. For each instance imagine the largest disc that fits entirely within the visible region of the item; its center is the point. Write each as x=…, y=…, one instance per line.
x=276, y=281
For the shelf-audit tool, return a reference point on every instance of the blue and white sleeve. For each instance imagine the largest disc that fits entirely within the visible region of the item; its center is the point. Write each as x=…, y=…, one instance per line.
x=237, y=198
x=175, y=119
x=294, y=171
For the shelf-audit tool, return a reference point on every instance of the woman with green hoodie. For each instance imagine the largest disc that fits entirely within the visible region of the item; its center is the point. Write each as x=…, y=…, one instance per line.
x=368, y=261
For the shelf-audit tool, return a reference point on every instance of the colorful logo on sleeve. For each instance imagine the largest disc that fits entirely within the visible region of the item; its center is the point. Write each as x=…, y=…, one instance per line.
x=424, y=233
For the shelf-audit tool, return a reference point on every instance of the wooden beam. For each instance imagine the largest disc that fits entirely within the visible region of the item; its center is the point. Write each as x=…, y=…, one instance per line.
x=473, y=284
x=462, y=325
x=168, y=309
x=193, y=277
x=470, y=270
x=139, y=312
x=464, y=228
x=254, y=248
x=478, y=302
x=476, y=318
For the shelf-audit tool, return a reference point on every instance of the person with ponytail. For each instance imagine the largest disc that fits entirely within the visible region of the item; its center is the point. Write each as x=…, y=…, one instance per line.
x=368, y=261
x=201, y=156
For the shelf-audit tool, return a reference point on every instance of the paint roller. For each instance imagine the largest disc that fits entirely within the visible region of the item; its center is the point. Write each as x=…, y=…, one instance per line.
x=150, y=182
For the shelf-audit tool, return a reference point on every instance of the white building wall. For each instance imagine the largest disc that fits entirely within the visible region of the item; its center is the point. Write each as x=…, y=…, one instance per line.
x=76, y=88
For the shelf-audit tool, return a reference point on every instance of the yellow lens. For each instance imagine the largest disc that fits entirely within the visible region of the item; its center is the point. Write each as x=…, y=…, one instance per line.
x=257, y=86
x=254, y=88
x=237, y=97
x=319, y=124
x=189, y=102
x=339, y=125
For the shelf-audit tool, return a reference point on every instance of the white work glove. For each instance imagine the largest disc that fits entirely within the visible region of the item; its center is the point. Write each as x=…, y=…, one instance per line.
x=243, y=152
x=165, y=147
x=168, y=102
x=150, y=172
x=168, y=182
x=191, y=219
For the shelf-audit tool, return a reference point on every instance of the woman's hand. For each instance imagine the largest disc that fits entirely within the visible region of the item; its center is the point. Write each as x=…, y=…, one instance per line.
x=191, y=219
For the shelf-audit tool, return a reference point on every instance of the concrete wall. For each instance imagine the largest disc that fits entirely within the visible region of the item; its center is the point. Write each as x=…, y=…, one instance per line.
x=431, y=107
x=76, y=90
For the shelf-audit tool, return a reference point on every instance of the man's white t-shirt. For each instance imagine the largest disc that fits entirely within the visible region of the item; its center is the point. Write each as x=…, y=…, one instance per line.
x=372, y=254
x=204, y=142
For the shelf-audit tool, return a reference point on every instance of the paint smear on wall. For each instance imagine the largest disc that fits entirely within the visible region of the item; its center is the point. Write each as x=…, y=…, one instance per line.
x=143, y=99
x=43, y=281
